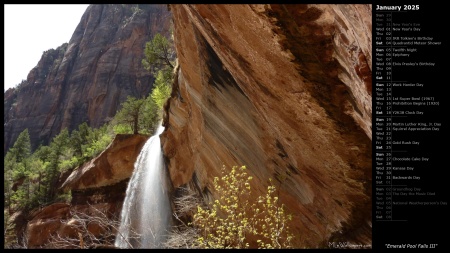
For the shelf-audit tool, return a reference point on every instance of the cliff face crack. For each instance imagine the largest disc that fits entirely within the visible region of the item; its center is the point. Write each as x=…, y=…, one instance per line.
x=282, y=153
x=61, y=105
x=218, y=75
x=214, y=61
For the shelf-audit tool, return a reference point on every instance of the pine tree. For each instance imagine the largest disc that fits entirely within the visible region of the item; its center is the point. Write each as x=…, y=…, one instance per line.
x=159, y=54
x=22, y=147
x=16, y=169
x=131, y=112
x=58, y=145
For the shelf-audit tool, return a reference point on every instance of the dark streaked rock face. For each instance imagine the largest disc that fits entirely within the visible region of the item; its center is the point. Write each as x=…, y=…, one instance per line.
x=86, y=79
x=286, y=91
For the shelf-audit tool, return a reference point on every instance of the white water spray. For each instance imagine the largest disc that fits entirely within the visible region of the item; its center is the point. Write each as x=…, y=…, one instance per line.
x=146, y=211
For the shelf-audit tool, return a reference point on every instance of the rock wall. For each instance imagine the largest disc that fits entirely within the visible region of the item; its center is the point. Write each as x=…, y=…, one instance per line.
x=86, y=79
x=114, y=164
x=286, y=91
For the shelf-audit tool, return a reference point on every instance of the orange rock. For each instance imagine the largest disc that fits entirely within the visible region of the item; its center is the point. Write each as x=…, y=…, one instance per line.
x=113, y=165
x=286, y=91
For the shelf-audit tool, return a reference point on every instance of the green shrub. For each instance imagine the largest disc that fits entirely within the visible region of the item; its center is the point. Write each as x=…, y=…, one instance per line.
x=122, y=129
x=161, y=91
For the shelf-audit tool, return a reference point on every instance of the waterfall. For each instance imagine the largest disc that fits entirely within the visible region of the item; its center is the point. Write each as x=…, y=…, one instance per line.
x=146, y=211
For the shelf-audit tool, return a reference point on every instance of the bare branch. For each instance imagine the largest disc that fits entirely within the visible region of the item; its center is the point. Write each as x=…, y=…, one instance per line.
x=187, y=202
x=105, y=230
x=184, y=235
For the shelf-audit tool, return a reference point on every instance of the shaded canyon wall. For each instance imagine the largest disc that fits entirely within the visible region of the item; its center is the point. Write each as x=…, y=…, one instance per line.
x=86, y=79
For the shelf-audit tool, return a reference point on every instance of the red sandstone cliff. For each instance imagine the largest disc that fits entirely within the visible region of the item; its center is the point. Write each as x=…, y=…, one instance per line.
x=286, y=91
x=86, y=79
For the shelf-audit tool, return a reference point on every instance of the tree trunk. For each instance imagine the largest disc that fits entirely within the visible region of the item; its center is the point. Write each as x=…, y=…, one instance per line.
x=135, y=127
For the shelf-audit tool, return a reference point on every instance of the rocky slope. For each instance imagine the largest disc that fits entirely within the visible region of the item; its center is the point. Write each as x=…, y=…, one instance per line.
x=86, y=79
x=97, y=189
x=286, y=91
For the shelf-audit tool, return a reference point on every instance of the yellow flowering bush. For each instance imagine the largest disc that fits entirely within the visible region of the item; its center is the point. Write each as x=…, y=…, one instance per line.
x=232, y=221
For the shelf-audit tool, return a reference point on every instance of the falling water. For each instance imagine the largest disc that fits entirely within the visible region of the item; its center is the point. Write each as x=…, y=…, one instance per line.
x=145, y=217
